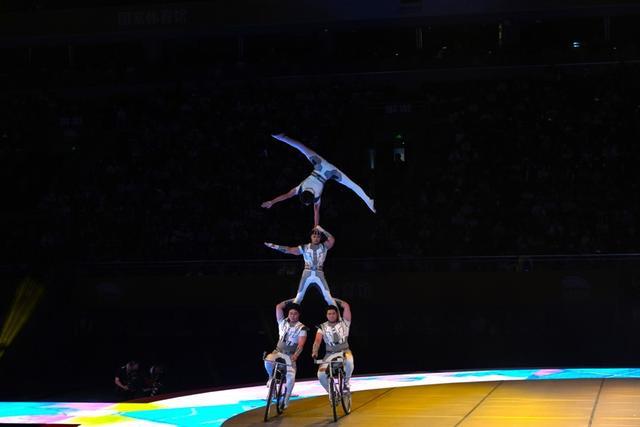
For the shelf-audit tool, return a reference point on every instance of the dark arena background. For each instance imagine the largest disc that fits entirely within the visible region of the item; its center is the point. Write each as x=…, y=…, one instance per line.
x=499, y=139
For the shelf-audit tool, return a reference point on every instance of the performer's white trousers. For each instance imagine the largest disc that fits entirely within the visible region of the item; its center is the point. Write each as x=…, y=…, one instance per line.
x=310, y=277
x=348, y=368
x=291, y=370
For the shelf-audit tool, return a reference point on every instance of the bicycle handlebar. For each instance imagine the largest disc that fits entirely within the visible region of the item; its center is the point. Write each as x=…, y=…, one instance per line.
x=334, y=360
x=264, y=359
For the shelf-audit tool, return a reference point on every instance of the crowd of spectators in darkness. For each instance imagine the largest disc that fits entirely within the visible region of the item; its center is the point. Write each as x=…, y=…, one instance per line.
x=526, y=165
x=121, y=162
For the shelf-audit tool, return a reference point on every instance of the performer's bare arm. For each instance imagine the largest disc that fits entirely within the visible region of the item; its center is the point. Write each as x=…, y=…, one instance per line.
x=316, y=213
x=346, y=309
x=301, y=340
x=291, y=250
x=280, y=309
x=289, y=194
x=308, y=152
x=120, y=384
x=330, y=239
x=316, y=345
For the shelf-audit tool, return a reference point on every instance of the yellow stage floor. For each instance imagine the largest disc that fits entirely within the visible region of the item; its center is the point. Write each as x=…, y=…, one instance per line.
x=554, y=403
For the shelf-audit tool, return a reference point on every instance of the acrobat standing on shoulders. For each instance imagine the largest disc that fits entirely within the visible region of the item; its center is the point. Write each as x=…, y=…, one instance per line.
x=310, y=190
x=314, y=255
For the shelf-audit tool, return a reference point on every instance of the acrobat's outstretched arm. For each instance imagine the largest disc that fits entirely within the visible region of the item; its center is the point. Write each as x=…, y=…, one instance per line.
x=343, y=179
x=308, y=152
x=291, y=250
x=289, y=194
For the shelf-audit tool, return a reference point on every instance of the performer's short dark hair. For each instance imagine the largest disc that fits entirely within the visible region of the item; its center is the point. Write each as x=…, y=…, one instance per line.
x=292, y=305
x=323, y=237
x=307, y=197
x=333, y=307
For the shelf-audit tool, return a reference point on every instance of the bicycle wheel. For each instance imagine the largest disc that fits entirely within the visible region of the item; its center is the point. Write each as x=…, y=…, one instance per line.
x=345, y=395
x=280, y=392
x=270, y=396
x=333, y=394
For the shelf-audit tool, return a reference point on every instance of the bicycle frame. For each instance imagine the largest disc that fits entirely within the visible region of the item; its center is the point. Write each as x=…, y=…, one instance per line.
x=336, y=391
x=277, y=386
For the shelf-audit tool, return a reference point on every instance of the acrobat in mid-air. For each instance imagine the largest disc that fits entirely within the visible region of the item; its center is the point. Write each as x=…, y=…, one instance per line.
x=310, y=190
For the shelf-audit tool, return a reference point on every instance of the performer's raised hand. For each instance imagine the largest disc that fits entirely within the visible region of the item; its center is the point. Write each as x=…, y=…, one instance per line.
x=289, y=194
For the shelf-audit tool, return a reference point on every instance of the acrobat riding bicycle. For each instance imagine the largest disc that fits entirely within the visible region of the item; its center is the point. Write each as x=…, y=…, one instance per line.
x=336, y=376
x=277, y=385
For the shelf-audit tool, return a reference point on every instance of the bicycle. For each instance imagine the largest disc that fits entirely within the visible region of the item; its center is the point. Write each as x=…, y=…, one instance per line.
x=277, y=386
x=337, y=392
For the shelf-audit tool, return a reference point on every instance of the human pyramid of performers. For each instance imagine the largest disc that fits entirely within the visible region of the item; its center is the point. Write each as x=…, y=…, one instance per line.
x=335, y=331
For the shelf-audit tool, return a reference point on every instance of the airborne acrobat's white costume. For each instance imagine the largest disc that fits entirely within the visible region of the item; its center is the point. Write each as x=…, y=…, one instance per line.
x=323, y=171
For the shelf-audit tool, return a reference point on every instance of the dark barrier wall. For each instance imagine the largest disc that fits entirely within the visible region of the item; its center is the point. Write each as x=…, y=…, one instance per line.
x=211, y=328
x=217, y=16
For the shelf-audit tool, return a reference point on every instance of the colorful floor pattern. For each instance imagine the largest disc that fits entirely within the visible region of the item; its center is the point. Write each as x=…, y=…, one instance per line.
x=214, y=408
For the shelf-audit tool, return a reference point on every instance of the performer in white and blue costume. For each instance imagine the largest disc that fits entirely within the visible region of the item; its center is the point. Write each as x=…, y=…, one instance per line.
x=310, y=190
x=335, y=334
x=314, y=255
x=292, y=336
